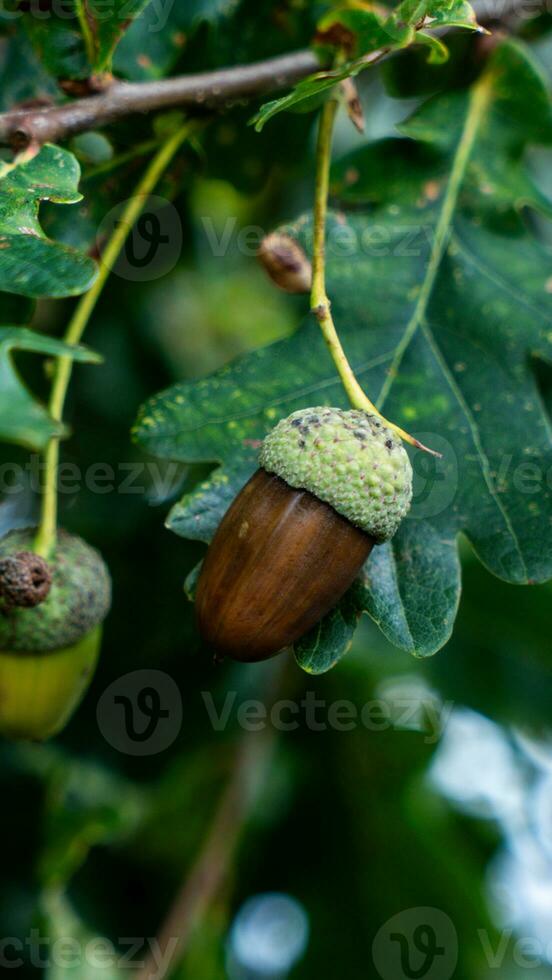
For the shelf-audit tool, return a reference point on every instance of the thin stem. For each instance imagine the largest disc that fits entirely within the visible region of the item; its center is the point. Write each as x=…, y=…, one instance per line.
x=320, y=303
x=99, y=169
x=46, y=535
x=321, y=190
x=86, y=31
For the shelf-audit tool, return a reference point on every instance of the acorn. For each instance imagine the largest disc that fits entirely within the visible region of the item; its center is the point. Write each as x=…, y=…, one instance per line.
x=51, y=616
x=332, y=484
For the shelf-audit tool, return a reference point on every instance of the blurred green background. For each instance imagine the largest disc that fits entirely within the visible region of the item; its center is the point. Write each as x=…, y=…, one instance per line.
x=440, y=799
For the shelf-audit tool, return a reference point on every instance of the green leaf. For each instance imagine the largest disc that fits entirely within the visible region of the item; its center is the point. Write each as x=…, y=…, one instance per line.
x=322, y=647
x=438, y=13
x=78, y=952
x=363, y=35
x=191, y=582
x=81, y=41
x=438, y=52
x=18, y=86
x=30, y=263
x=357, y=31
x=412, y=588
x=154, y=42
x=309, y=89
x=198, y=514
x=108, y=31
x=58, y=43
x=441, y=294
x=15, y=87
x=137, y=38
x=24, y=420
x=198, y=35
x=86, y=805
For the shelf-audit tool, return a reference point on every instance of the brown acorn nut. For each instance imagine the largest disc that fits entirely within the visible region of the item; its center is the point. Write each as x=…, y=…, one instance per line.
x=331, y=485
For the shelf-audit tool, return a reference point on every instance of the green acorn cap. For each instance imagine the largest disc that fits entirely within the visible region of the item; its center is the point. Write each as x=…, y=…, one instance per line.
x=78, y=600
x=348, y=459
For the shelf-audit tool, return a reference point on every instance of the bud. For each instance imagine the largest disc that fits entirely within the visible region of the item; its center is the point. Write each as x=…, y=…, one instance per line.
x=25, y=580
x=286, y=263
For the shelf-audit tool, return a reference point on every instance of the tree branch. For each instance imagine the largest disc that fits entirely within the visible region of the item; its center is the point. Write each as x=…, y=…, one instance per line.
x=23, y=127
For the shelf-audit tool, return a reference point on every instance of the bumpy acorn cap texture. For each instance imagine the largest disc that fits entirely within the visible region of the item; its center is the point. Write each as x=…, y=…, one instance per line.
x=350, y=460
x=79, y=598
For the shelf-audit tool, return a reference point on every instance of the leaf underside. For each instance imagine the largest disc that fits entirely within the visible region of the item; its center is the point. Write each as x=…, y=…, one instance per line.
x=442, y=295
x=23, y=420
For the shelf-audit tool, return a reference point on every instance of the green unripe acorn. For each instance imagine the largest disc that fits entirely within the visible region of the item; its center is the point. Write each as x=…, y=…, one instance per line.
x=51, y=616
x=332, y=484
x=348, y=459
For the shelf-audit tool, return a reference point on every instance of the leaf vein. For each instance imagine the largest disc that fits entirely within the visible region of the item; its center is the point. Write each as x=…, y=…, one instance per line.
x=485, y=464
x=177, y=429
x=497, y=280
x=479, y=101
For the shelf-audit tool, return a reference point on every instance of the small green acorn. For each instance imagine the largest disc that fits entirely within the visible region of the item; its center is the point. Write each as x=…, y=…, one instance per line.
x=51, y=616
x=332, y=484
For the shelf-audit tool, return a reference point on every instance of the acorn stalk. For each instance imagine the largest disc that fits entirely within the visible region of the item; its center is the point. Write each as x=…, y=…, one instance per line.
x=332, y=484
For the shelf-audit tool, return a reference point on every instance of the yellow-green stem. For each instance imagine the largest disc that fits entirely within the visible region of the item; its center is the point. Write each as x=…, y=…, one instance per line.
x=86, y=31
x=320, y=303
x=46, y=535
